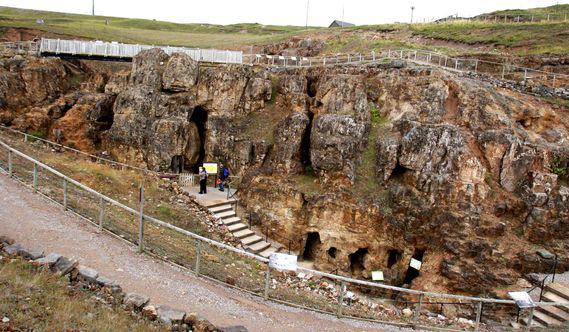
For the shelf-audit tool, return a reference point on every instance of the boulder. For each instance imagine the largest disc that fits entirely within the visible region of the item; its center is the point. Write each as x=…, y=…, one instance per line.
x=135, y=301
x=88, y=275
x=6, y=240
x=203, y=325
x=48, y=260
x=13, y=249
x=64, y=266
x=150, y=312
x=181, y=73
x=167, y=315
x=105, y=282
x=407, y=312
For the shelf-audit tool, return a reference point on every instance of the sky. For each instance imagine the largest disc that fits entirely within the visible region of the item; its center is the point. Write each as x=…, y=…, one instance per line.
x=287, y=12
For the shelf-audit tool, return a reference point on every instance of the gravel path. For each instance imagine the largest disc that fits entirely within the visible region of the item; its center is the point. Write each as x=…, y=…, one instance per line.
x=40, y=224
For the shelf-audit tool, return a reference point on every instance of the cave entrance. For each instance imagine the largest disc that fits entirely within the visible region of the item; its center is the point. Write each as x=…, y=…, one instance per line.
x=357, y=261
x=305, y=146
x=332, y=252
x=311, y=84
x=413, y=273
x=394, y=256
x=312, y=246
x=177, y=164
x=199, y=117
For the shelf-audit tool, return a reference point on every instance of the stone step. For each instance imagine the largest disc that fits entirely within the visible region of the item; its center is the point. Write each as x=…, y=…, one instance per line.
x=243, y=233
x=237, y=227
x=259, y=247
x=555, y=312
x=267, y=252
x=534, y=323
x=545, y=319
x=559, y=290
x=252, y=239
x=219, y=202
x=225, y=215
x=231, y=221
x=220, y=208
x=551, y=297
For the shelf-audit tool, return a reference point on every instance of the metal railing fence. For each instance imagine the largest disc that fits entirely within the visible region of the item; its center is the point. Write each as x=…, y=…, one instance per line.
x=22, y=46
x=120, y=50
x=499, y=71
x=212, y=259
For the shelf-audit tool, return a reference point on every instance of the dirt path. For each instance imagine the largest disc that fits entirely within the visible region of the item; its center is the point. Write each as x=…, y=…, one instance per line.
x=40, y=224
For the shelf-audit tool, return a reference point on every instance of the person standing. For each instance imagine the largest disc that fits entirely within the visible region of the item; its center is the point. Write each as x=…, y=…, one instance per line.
x=203, y=180
x=222, y=174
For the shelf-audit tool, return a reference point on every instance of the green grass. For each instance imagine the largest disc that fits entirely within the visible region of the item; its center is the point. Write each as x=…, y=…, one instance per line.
x=40, y=301
x=148, y=31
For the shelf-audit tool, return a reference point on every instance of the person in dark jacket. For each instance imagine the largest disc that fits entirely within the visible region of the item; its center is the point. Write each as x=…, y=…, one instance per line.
x=203, y=180
x=222, y=175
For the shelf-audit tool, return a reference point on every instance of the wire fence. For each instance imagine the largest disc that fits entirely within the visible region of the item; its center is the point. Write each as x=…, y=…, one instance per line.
x=310, y=289
x=510, y=18
x=496, y=70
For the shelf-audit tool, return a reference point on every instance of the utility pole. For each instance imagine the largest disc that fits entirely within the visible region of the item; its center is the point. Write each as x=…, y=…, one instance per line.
x=93, y=8
x=343, y=7
x=412, y=10
x=307, y=8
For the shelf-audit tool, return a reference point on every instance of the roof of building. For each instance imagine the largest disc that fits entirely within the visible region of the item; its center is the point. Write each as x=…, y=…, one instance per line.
x=337, y=23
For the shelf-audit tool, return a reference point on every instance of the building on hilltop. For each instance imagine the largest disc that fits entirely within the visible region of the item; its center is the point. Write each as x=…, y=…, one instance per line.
x=340, y=24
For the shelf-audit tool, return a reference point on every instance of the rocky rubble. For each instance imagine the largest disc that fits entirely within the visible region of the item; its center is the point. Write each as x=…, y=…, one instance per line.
x=108, y=292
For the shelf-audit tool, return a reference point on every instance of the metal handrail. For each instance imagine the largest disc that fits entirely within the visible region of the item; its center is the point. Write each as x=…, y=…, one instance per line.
x=257, y=257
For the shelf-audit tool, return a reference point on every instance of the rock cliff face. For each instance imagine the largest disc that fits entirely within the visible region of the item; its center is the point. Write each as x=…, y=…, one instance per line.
x=361, y=169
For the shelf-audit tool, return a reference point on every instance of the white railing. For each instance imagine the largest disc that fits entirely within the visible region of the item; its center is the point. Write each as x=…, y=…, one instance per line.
x=41, y=171
x=119, y=50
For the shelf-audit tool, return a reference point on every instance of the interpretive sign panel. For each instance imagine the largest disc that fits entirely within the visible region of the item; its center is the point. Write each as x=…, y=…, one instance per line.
x=416, y=264
x=210, y=168
x=523, y=300
x=282, y=262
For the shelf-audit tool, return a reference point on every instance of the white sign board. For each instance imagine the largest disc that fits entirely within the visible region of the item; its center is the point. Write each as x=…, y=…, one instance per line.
x=210, y=168
x=416, y=264
x=282, y=262
x=377, y=275
x=523, y=300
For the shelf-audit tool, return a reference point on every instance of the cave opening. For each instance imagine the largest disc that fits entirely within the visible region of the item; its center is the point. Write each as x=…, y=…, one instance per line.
x=199, y=117
x=311, y=84
x=177, y=164
x=399, y=171
x=412, y=272
x=357, y=261
x=394, y=256
x=305, y=158
x=312, y=246
x=332, y=251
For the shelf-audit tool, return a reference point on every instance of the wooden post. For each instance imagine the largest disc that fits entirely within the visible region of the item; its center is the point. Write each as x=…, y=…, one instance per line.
x=478, y=315
x=141, y=221
x=198, y=256
x=35, y=177
x=101, y=212
x=64, y=195
x=476, y=67
x=418, y=308
x=10, y=165
x=503, y=71
x=341, y=299
x=267, y=282
x=530, y=320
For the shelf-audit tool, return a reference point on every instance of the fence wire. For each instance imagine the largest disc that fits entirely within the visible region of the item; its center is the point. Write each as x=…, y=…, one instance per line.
x=341, y=296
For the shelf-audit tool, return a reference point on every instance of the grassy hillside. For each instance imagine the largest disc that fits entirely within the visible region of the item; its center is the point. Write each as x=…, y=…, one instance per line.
x=451, y=37
x=534, y=11
x=40, y=301
x=147, y=31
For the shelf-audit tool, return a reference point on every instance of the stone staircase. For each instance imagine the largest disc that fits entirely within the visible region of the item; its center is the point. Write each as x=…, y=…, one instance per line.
x=251, y=241
x=551, y=317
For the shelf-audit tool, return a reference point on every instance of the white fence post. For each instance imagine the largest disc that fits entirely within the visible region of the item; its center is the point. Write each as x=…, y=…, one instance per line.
x=341, y=299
